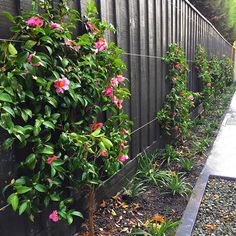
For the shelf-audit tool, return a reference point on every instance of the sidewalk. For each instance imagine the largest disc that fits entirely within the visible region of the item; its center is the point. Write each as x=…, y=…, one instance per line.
x=221, y=162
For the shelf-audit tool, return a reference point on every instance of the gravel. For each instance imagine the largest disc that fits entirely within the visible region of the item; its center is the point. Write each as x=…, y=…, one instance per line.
x=217, y=213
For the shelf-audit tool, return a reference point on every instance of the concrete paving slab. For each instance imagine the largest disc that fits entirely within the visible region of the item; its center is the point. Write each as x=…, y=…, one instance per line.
x=221, y=162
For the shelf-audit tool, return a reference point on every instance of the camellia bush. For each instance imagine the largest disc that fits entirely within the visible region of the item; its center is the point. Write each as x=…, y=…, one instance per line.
x=203, y=72
x=227, y=68
x=54, y=90
x=174, y=117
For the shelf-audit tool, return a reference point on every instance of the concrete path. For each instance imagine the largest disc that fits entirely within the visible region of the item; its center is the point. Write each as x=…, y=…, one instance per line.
x=221, y=162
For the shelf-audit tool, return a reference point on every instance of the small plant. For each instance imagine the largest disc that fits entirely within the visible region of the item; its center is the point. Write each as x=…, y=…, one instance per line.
x=176, y=185
x=134, y=188
x=166, y=228
x=148, y=170
x=187, y=164
x=170, y=155
x=201, y=146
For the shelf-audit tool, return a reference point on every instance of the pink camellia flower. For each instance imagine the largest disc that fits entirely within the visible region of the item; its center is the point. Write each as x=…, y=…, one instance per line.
x=77, y=48
x=174, y=113
x=118, y=102
x=69, y=42
x=190, y=98
x=109, y=91
x=90, y=25
x=125, y=131
x=104, y=153
x=54, y=216
x=177, y=66
x=97, y=82
x=56, y=26
x=114, y=82
x=51, y=159
x=122, y=145
x=120, y=78
x=123, y=158
x=96, y=126
x=34, y=22
x=30, y=60
x=62, y=84
x=101, y=44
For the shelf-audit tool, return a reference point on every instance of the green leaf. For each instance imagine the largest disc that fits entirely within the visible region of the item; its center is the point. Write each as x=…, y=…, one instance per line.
x=4, y=97
x=49, y=124
x=23, y=207
x=77, y=213
x=40, y=188
x=55, y=197
x=9, y=16
x=48, y=150
x=12, y=49
x=69, y=219
x=9, y=110
x=96, y=132
x=31, y=161
x=7, y=144
x=108, y=144
x=30, y=43
x=22, y=189
x=13, y=200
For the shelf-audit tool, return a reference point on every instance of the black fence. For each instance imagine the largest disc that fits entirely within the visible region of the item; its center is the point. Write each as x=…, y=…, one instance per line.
x=145, y=28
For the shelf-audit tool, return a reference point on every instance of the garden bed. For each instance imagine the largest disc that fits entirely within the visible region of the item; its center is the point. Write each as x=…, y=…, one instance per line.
x=217, y=213
x=123, y=213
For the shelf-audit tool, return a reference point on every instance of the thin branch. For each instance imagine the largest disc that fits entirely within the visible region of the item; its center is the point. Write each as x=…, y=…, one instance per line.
x=4, y=207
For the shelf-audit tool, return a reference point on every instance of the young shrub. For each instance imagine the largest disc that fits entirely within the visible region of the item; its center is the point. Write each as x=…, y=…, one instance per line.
x=203, y=72
x=54, y=86
x=174, y=117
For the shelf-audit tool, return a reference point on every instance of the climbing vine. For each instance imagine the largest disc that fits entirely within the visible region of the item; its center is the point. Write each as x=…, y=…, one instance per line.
x=174, y=117
x=54, y=90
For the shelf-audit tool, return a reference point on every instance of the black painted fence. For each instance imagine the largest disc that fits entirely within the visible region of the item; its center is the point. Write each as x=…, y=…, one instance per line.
x=145, y=28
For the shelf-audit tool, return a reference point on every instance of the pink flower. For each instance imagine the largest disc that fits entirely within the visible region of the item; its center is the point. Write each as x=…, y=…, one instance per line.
x=125, y=131
x=122, y=145
x=69, y=42
x=101, y=44
x=123, y=158
x=120, y=78
x=176, y=128
x=190, y=98
x=56, y=26
x=30, y=60
x=104, y=153
x=177, y=66
x=90, y=25
x=51, y=159
x=54, y=216
x=174, y=113
x=77, y=48
x=61, y=84
x=34, y=22
x=97, y=82
x=109, y=91
x=96, y=126
x=114, y=82
x=118, y=102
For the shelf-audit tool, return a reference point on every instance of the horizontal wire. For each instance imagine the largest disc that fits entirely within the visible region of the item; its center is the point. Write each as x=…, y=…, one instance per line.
x=141, y=127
